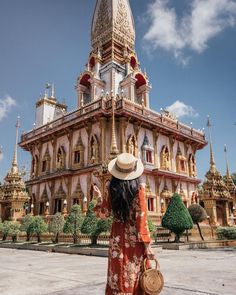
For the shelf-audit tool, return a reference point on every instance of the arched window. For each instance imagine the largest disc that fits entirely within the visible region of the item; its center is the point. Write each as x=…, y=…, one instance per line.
x=78, y=155
x=165, y=158
x=85, y=90
x=139, y=91
x=46, y=161
x=147, y=151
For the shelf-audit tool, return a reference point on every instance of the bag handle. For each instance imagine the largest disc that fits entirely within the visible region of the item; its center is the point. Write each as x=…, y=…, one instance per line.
x=145, y=263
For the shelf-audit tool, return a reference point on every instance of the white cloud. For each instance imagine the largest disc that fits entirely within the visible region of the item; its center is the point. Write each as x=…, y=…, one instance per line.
x=180, y=109
x=1, y=155
x=6, y=103
x=204, y=20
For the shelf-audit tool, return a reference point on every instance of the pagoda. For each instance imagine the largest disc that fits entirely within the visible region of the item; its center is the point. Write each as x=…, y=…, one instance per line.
x=215, y=195
x=13, y=194
x=112, y=116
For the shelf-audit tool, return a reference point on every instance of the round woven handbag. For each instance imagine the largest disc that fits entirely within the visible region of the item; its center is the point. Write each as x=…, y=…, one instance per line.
x=151, y=280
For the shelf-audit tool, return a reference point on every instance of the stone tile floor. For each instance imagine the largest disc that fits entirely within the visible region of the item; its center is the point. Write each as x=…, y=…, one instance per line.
x=200, y=272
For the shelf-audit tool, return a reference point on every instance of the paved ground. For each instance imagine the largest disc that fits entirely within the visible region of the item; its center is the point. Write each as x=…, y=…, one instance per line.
x=186, y=273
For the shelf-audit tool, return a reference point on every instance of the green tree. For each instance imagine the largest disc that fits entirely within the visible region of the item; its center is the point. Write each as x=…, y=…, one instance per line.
x=234, y=177
x=39, y=227
x=151, y=226
x=5, y=229
x=1, y=225
x=27, y=226
x=94, y=226
x=74, y=222
x=198, y=214
x=177, y=218
x=56, y=226
x=14, y=229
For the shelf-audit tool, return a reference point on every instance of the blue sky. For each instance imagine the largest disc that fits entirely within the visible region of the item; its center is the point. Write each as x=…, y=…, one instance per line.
x=188, y=48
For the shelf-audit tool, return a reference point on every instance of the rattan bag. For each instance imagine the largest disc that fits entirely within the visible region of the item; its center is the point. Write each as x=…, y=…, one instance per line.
x=151, y=280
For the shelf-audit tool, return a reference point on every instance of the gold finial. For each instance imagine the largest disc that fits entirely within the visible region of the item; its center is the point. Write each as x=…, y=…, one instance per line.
x=14, y=161
x=212, y=160
x=114, y=150
x=227, y=163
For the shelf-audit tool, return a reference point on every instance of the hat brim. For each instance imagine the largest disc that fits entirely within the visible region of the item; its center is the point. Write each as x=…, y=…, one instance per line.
x=125, y=176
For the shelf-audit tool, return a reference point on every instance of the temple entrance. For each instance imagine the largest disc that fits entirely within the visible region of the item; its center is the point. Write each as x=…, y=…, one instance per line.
x=221, y=212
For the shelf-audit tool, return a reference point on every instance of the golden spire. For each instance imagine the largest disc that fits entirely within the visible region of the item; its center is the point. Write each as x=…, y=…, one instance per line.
x=14, y=168
x=227, y=163
x=212, y=160
x=114, y=150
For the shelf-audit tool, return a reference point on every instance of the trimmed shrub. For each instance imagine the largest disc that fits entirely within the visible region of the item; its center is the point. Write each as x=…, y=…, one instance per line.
x=177, y=218
x=5, y=229
x=151, y=226
x=95, y=226
x=39, y=227
x=14, y=229
x=1, y=225
x=226, y=233
x=27, y=226
x=74, y=222
x=198, y=214
x=56, y=226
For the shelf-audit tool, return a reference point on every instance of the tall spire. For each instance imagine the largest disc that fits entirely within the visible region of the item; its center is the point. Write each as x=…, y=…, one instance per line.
x=14, y=168
x=227, y=163
x=114, y=150
x=112, y=20
x=212, y=160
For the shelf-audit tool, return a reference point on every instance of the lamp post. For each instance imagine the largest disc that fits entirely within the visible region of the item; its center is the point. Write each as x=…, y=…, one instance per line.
x=64, y=212
x=46, y=213
x=85, y=208
x=32, y=209
x=162, y=208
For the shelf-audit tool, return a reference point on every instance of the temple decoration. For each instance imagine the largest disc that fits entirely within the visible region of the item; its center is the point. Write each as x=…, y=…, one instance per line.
x=192, y=166
x=147, y=152
x=46, y=161
x=13, y=194
x=150, y=196
x=180, y=161
x=61, y=158
x=78, y=153
x=166, y=194
x=78, y=195
x=132, y=145
x=114, y=149
x=165, y=158
x=94, y=149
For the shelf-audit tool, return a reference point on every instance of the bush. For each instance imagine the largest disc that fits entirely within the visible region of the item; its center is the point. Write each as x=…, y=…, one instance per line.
x=226, y=233
x=95, y=226
x=177, y=218
x=198, y=214
x=27, y=226
x=39, y=227
x=74, y=222
x=14, y=229
x=5, y=229
x=151, y=226
x=1, y=225
x=56, y=226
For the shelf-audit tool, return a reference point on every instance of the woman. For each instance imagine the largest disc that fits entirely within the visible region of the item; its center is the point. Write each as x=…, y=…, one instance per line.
x=130, y=237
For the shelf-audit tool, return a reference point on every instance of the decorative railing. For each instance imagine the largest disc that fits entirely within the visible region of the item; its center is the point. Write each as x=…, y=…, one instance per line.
x=105, y=104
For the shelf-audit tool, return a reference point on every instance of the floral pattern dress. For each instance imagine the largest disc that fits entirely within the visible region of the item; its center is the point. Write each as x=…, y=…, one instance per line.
x=126, y=250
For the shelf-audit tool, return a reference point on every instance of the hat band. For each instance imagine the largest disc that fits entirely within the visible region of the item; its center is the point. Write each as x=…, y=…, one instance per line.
x=126, y=170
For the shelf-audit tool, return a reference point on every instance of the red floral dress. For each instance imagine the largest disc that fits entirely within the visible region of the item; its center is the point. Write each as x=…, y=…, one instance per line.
x=126, y=250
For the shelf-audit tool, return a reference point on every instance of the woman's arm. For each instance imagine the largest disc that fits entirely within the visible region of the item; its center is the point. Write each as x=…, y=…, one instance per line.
x=102, y=208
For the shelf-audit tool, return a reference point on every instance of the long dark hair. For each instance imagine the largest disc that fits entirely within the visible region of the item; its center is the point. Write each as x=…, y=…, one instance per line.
x=122, y=194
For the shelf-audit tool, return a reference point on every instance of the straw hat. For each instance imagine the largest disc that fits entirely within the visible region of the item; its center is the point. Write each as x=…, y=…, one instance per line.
x=126, y=167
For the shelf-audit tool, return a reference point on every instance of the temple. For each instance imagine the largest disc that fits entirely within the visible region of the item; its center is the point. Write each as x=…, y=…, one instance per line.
x=70, y=151
x=218, y=193
x=13, y=194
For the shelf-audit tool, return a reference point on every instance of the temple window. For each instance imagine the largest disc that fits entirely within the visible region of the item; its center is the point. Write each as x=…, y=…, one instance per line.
x=76, y=202
x=79, y=153
x=41, y=208
x=147, y=151
x=44, y=166
x=150, y=204
x=150, y=196
x=132, y=145
x=85, y=89
x=94, y=150
x=60, y=196
x=78, y=195
x=57, y=205
x=61, y=158
x=165, y=158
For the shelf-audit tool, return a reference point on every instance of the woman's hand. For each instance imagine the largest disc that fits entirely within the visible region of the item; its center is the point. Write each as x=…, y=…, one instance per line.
x=97, y=193
x=149, y=252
